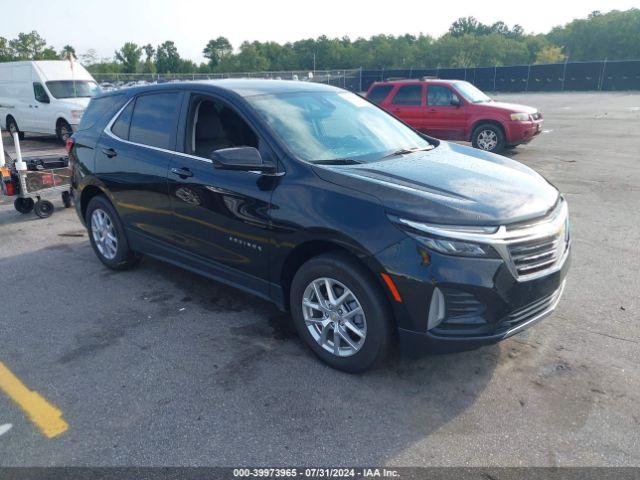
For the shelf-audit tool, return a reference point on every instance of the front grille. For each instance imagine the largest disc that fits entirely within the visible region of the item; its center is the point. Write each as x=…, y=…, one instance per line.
x=538, y=245
x=531, y=311
x=536, y=255
x=536, y=116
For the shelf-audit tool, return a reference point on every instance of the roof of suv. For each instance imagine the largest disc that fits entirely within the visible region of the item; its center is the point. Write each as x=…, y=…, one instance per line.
x=417, y=80
x=243, y=87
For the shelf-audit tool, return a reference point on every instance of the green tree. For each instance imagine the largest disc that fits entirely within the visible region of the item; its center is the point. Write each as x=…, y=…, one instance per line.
x=29, y=46
x=6, y=53
x=89, y=57
x=167, y=58
x=550, y=54
x=129, y=55
x=216, y=50
x=68, y=52
x=149, y=52
x=613, y=35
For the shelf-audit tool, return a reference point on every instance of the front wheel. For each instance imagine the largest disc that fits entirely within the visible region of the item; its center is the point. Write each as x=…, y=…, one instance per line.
x=341, y=313
x=64, y=131
x=107, y=236
x=488, y=137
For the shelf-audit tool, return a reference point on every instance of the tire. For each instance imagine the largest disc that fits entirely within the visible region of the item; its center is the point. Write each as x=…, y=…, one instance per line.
x=63, y=130
x=115, y=255
x=66, y=199
x=12, y=126
x=43, y=208
x=372, y=344
x=488, y=137
x=23, y=205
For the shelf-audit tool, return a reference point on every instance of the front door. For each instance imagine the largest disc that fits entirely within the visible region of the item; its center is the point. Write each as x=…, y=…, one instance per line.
x=221, y=215
x=132, y=161
x=446, y=114
x=40, y=110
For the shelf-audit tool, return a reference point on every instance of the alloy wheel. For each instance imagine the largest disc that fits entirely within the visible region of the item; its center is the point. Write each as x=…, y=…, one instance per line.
x=334, y=317
x=104, y=234
x=487, y=140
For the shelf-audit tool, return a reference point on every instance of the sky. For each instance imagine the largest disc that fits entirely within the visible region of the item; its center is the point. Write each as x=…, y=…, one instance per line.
x=106, y=25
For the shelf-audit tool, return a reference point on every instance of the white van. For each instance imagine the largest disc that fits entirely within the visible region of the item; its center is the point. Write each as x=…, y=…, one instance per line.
x=46, y=96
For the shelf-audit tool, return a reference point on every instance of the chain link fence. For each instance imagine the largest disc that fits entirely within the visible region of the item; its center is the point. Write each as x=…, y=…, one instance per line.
x=557, y=77
x=348, y=79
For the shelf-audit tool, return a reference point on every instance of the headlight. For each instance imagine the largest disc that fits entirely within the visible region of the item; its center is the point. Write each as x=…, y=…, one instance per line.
x=423, y=233
x=456, y=247
x=76, y=115
x=520, y=117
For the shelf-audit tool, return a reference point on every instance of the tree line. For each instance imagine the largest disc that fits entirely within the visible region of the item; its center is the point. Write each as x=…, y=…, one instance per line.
x=468, y=43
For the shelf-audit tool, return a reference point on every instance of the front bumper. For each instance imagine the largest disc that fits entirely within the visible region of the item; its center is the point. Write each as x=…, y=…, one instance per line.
x=483, y=299
x=522, y=132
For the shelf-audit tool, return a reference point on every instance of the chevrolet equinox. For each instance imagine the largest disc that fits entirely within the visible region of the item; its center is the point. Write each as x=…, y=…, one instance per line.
x=312, y=197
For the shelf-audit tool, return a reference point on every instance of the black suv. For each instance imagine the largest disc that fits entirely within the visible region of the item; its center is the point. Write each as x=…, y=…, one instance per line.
x=314, y=198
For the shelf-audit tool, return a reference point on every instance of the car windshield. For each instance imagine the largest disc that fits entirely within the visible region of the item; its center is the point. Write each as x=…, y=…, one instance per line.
x=72, y=88
x=335, y=126
x=471, y=93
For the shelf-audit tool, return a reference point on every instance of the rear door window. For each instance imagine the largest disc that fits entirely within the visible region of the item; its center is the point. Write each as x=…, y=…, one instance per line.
x=408, y=95
x=99, y=108
x=120, y=127
x=154, y=119
x=379, y=93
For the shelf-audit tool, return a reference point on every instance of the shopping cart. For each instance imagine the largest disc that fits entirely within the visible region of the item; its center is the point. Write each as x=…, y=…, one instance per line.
x=32, y=177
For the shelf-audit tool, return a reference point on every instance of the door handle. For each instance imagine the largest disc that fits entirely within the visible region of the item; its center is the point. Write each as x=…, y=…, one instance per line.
x=183, y=172
x=109, y=152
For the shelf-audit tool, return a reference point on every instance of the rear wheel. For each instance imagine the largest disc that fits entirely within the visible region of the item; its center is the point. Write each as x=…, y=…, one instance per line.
x=488, y=137
x=12, y=126
x=107, y=236
x=341, y=313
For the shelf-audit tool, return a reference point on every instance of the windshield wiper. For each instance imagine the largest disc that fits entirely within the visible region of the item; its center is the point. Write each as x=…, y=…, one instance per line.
x=406, y=151
x=337, y=161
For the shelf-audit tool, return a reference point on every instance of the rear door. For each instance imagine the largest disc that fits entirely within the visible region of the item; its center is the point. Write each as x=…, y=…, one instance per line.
x=407, y=104
x=221, y=215
x=442, y=118
x=132, y=159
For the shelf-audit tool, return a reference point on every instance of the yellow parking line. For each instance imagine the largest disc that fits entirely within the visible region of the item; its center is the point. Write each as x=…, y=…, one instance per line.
x=44, y=415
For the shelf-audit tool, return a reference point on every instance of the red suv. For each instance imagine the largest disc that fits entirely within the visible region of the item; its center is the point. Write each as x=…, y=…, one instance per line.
x=456, y=110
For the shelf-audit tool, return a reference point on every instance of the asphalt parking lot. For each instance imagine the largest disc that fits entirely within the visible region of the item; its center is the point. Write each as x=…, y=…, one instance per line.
x=158, y=366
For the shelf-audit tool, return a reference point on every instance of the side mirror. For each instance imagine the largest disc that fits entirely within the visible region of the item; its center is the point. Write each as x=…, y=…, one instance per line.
x=456, y=102
x=246, y=159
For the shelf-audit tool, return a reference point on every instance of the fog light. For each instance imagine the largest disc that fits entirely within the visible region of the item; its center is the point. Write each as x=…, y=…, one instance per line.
x=437, y=309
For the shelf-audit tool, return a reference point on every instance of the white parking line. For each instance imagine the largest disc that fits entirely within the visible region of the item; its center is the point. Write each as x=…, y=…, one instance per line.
x=5, y=428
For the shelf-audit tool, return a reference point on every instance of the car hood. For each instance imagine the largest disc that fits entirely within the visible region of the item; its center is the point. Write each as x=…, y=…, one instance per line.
x=451, y=184
x=510, y=107
x=75, y=103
